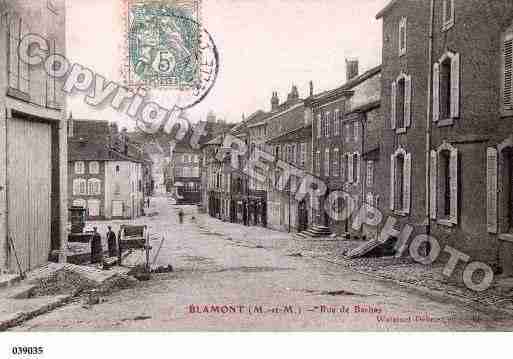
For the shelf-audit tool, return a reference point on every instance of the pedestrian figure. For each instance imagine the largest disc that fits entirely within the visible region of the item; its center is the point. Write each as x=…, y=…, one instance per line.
x=96, y=247
x=180, y=216
x=111, y=242
x=148, y=202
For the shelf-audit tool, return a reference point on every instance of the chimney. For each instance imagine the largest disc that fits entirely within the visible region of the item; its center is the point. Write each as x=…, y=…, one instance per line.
x=351, y=68
x=275, y=102
x=311, y=89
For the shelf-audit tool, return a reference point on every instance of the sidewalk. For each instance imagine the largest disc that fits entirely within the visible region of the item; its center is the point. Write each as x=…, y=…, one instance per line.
x=402, y=271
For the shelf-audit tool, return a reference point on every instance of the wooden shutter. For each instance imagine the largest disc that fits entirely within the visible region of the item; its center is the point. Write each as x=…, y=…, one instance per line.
x=453, y=172
x=455, y=86
x=76, y=187
x=407, y=101
x=355, y=124
x=358, y=166
x=392, y=182
x=407, y=183
x=508, y=75
x=393, y=104
x=432, y=184
x=491, y=189
x=350, y=168
x=436, y=92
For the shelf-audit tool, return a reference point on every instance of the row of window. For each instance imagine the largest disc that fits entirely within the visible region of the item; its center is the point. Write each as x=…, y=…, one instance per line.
x=446, y=94
x=293, y=153
x=191, y=187
x=187, y=171
x=346, y=166
x=93, y=206
x=83, y=187
x=327, y=126
x=94, y=167
x=443, y=183
x=187, y=158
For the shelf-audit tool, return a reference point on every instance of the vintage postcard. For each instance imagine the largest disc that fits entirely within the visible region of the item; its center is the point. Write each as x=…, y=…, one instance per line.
x=244, y=165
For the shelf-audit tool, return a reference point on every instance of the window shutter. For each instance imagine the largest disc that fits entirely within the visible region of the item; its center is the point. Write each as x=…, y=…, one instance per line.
x=453, y=171
x=508, y=75
x=407, y=101
x=394, y=102
x=356, y=131
x=455, y=86
x=358, y=167
x=76, y=187
x=392, y=182
x=319, y=125
x=436, y=92
x=350, y=168
x=491, y=189
x=407, y=183
x=432, y=184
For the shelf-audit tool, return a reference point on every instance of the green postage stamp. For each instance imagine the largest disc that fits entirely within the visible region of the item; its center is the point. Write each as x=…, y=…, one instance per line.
x=163, y=44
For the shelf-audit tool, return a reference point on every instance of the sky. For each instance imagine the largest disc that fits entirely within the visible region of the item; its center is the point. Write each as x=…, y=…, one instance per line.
x=264, y=46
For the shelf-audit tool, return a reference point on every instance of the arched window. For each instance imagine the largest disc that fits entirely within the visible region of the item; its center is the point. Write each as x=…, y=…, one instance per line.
x=400, y=118
x=446, y=89
x=444, y=184
x=400, y=181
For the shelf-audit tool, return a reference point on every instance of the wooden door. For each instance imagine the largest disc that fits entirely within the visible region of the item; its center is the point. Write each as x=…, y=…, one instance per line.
x=29, y=191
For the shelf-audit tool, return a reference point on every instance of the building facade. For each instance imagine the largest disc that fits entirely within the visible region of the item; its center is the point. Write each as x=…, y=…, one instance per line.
x=346, y=152
x=105, y=175
x=33, y=186
x=447, y=96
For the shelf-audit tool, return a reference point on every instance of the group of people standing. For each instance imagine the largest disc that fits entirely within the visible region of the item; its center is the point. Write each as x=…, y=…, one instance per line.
x=97, y=246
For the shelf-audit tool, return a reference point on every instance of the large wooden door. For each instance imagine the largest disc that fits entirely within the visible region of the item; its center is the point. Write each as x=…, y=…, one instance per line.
x=29, y=191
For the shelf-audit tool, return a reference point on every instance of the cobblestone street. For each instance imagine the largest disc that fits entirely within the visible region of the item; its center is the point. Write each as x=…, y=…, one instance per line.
x=230, y=277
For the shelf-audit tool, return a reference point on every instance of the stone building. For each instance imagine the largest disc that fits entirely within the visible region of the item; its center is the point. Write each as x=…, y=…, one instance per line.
x=346, y=152
x=290, y=140
x=105, y=174
x=447, y=99
x=33, y=169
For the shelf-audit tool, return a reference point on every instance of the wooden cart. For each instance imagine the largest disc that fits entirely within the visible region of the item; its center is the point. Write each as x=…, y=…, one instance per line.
x=133, y=237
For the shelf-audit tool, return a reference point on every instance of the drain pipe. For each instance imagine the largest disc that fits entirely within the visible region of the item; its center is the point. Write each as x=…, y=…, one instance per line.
x=428, y=118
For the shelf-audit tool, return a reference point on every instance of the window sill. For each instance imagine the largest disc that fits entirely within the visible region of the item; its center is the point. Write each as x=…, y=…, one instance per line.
x=400, y=131
x=446, y=122
x=445, y=222
x=448, y=25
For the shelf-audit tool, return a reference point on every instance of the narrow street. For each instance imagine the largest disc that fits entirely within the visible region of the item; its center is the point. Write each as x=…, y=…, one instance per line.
x=225, y=282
